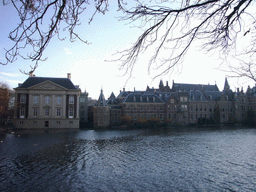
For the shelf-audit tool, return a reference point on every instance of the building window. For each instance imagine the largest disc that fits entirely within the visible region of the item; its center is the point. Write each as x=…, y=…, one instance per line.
x=58, y=122
x=47, y=99
x=21, y=122
x=35, y=99
x=35, y=112
x=22, y=112
x=58, y=112
x=71, y=100
x=23, y=99
x=184, y=107
x=71, y=122
x=34, y=122
x=71, y=112
x=59, y=100
x=82, y=99
x=47, y=112
x=172, y=100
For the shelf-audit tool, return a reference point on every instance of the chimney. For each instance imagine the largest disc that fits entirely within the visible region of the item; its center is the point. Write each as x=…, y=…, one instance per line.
x=69, y=76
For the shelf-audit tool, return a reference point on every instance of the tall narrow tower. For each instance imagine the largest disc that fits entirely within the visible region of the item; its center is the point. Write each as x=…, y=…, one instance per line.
x=101, y=112
x=226, y=85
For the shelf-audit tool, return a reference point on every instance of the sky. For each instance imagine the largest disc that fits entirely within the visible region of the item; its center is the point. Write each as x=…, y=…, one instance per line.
x=92, y=66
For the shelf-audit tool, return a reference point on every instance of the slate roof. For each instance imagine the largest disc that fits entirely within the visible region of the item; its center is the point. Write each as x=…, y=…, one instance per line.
x=101, y=101
x=188, y=87
x=143, y=98
x=31, y=81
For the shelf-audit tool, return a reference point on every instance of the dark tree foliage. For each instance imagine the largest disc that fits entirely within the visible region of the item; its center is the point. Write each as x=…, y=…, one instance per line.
x=171, y=27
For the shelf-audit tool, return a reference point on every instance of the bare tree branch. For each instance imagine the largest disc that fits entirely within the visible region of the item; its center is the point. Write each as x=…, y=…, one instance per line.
x=40, y=21
x=213, y=23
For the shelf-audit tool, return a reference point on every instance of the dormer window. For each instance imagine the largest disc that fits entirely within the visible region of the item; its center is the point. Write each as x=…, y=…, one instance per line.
x=154, y=99
x=147, y=99
x=141, y=98
x=134, y=98
x=210, y=97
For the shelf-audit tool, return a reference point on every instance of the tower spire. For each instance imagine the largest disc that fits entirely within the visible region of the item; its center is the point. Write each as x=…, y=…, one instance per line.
x=226, y=85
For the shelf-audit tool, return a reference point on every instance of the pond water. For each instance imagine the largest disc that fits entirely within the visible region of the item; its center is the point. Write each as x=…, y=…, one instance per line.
x=183, y=159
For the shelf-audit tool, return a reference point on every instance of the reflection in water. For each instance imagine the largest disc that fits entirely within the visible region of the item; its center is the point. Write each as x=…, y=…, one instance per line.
x=136, y=160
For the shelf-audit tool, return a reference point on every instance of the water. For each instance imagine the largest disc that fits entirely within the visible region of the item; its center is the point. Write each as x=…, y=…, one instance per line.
x=135, y=160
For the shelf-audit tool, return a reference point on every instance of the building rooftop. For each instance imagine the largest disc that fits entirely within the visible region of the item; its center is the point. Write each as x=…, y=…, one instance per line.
x=64, y=82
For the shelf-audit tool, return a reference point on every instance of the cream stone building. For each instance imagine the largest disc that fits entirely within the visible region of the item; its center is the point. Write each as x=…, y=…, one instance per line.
x=45, y=102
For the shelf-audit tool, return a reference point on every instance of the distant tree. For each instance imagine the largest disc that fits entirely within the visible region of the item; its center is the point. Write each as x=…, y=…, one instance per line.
x=141, y=122
x=4, y=101
x=126, y=120
x=250, y=118
x=169, y=26
x=154, y=122
x=216, y=115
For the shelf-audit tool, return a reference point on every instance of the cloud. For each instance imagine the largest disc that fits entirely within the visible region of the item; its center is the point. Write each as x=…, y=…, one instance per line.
x=68, y=52
x=10, y=74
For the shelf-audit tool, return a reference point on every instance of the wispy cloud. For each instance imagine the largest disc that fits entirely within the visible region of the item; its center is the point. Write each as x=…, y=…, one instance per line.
x=67, y=51
x=10, y=74
x=14, y=81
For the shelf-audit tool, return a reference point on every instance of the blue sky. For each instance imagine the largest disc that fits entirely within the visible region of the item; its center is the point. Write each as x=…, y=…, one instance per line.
x=87, y=64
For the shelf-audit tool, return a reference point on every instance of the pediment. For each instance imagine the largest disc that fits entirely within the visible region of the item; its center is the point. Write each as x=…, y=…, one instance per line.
x=48, y=85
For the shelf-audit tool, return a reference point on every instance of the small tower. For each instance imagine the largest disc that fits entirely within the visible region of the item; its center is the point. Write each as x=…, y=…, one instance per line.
x=226, y=85
x=161, y=86
x=101, y=113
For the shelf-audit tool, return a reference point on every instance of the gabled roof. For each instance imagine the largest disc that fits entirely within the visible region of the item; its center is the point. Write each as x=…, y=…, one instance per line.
x=101, y=101
x=213, y=95
x=112, y=96
x=31, y=81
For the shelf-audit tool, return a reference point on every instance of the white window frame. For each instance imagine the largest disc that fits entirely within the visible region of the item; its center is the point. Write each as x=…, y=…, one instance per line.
x=22, y=112
x=71, y=99
x=47, y=112
x=35, y=112
x=47, y=99
x=59, y=100
x=22, y=98
x=35, y=99
x=58, y=112
x=71, y=112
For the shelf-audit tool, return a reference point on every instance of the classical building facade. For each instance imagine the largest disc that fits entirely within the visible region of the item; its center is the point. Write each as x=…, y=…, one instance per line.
x=183, y=104
x=45, y=102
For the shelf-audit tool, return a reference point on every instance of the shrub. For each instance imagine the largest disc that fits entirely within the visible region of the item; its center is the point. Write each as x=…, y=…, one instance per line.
x=154, y=122
x=141, y=122
x=126, y=120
